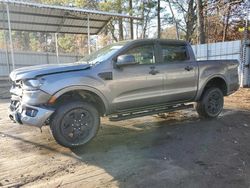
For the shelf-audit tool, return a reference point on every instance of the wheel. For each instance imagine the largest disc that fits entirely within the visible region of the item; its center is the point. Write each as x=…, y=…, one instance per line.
x=75, y=123
x=211, y=103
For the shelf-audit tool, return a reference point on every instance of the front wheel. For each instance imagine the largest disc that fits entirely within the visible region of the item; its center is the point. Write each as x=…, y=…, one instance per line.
x=75, y=123
x=211, y=103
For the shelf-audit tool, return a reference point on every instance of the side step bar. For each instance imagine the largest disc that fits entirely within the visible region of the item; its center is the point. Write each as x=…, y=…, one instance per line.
x=146, y=112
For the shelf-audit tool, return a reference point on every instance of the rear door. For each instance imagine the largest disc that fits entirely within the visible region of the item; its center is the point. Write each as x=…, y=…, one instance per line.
x=140, y=84
x=180, y=73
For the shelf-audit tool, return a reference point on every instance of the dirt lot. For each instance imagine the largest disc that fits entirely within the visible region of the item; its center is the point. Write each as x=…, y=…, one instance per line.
x=180, y=151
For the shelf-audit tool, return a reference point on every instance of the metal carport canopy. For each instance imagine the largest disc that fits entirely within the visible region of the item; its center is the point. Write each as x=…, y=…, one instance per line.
x=34, y=17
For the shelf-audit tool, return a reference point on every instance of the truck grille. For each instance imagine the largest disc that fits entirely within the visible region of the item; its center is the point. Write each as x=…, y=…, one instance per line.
x=14, y=105
x=17, y=84
x=16, y=89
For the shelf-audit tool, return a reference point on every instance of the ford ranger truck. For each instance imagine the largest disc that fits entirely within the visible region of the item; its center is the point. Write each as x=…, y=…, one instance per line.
x=124, y=80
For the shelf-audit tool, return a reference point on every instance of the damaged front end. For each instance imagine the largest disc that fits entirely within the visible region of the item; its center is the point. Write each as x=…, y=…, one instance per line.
x=27, y=106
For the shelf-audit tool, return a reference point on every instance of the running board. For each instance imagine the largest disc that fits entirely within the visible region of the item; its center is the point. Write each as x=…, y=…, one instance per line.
x=146, y=112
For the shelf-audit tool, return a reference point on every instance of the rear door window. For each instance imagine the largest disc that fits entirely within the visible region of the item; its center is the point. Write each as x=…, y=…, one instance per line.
x=173, y=53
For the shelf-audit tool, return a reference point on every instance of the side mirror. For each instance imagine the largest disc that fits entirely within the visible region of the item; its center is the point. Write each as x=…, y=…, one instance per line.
x=126, y=59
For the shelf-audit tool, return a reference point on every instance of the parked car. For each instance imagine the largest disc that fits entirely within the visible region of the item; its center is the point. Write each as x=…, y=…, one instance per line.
x=124, y=80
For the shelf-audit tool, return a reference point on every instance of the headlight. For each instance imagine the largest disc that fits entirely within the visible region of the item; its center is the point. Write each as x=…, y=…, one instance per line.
x=32, y=84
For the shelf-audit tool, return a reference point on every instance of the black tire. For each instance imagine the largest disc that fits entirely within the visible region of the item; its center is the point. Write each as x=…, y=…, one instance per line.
x=211, y=103
x=75, y=123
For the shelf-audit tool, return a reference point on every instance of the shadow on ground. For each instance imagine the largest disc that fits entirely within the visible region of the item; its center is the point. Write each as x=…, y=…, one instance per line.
x=180, y=151
x=175, y=153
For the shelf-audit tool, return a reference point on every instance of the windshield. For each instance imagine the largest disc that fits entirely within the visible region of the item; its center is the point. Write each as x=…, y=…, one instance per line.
x=103, y=54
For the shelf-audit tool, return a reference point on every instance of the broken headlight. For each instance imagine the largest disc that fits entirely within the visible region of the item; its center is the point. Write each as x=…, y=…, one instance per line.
x=32, y=84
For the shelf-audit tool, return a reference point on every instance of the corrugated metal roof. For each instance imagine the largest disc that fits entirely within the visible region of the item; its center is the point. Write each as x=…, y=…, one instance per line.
x=25, y=16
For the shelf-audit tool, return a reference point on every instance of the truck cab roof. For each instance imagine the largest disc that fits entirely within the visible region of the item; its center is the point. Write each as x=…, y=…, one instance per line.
x=168, y=41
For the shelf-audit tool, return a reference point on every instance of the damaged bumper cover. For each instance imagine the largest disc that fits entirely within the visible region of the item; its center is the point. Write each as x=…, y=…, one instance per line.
x=28, y=114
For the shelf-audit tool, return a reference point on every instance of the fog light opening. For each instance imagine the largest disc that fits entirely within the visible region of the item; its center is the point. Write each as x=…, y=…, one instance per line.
x=31, y=112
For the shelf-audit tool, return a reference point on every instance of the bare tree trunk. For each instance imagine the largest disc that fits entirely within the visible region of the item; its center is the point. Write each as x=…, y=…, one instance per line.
x=145, y=24
x=146, y=18
x=226, y=23
x=120, y=30
x=200, y=19
x=159, y=18
x=190, y=19
x=137, y=29
x=176, y=24
x=120, y=21
x=143, y=20
x=112, y=31
x=131, y=19
x=216, y=25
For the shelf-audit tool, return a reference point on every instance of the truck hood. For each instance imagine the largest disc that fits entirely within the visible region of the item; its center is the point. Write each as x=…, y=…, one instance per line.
x=34, y=71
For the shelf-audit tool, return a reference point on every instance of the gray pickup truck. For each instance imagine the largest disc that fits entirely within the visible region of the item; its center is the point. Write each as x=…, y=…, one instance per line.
x=124, y=80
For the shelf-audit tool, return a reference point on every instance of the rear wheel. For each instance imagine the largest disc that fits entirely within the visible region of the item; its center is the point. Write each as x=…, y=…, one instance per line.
x=75, y=123
x=211, y=103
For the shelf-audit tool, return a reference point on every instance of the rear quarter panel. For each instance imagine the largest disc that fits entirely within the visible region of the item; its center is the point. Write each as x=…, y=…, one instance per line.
x=225, y=69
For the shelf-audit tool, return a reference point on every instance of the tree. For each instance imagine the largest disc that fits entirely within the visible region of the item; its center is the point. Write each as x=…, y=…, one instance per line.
x=131, y=20
x=214, y=21
x=170, y=33
x=200, y=19
x=119, y=8
x=190, y=20
x=174, y=19
x=186, y=19
x=224, y=18
x=159, y=18
x=147, y=10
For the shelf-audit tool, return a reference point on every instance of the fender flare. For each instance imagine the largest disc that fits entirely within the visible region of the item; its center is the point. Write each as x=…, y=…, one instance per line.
x=201, y=89
x=84, y=88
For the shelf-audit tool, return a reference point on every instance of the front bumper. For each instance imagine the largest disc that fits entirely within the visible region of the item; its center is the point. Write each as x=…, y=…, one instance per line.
x=27, y=114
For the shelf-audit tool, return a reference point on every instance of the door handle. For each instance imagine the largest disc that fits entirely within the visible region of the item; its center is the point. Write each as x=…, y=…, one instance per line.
x=188, y=68
x=153, y=71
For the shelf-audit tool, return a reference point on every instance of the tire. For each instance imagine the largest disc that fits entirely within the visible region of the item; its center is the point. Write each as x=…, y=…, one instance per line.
x=75, y=124
x=211, y=103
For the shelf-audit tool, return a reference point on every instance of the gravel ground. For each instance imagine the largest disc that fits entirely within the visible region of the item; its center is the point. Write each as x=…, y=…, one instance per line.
x=178, y=151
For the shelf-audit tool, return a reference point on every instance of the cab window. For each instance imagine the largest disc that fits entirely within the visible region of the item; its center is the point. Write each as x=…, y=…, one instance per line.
x=173, y=53
x=143, y=54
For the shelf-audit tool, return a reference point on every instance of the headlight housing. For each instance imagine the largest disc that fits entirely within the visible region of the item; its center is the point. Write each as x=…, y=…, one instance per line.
x=32, y=84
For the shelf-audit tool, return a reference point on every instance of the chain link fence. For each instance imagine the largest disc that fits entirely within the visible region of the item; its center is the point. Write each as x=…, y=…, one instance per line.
x=239, y=50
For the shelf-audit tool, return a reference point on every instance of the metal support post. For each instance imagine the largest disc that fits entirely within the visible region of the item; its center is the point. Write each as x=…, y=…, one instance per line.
x=10, y=37
x=89, y=49
x=57, y=53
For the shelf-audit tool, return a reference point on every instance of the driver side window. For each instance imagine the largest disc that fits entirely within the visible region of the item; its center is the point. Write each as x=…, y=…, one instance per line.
x=143, y=54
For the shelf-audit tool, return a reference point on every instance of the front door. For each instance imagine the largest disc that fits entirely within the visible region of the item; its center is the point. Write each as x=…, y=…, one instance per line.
x=140, y=84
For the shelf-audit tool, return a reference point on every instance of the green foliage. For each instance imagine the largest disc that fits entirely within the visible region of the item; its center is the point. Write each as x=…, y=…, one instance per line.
x=66, y=42
x=184, y=18
x=75, y=3
x=35, y=45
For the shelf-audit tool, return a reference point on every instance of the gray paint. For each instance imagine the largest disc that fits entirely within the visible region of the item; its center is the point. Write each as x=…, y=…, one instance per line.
x=132, y=86
x=39, y=70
